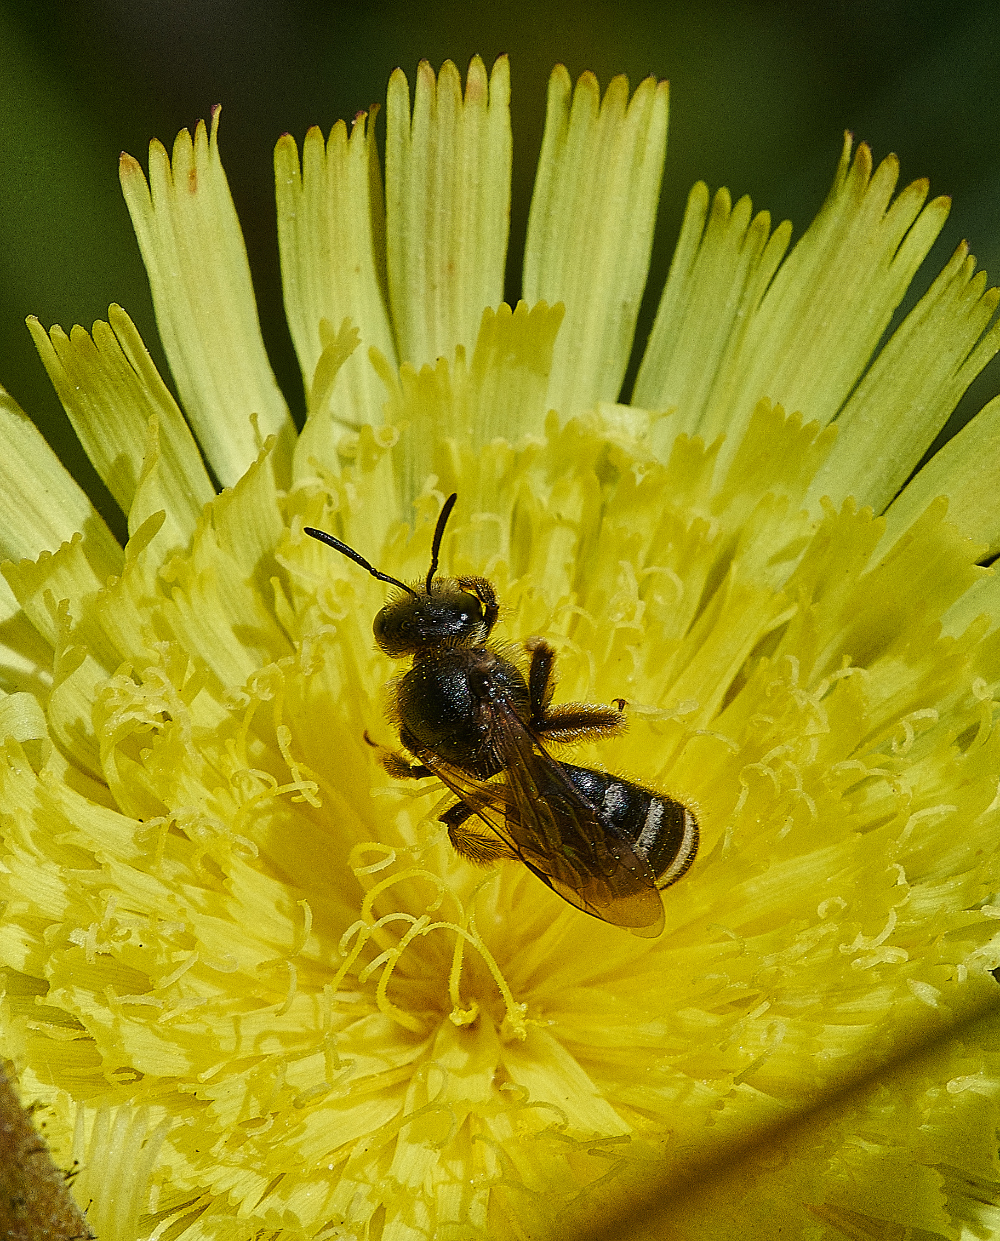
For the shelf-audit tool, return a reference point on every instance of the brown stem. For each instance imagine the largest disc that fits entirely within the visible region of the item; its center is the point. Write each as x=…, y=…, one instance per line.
x=35, y=1202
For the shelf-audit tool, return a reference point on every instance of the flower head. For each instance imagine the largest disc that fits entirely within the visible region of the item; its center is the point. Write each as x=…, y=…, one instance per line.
x=244, y=960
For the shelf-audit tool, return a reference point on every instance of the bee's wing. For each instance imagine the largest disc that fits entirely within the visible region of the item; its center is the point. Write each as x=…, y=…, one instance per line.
x=558, y=835
x=546, y=823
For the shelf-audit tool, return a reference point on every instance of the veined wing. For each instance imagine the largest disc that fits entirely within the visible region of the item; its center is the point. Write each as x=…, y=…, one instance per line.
x=534, y=808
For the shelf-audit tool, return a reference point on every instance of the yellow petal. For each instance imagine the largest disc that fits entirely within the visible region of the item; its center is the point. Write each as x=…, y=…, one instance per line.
x=23, y=719
x=447, y=204
x=500, y=393
x=590, y=230
x=331, y=237
x=725, y=259
x=41, y=504
x=819, y=321
x=105, y=1143
x=58, y=593
x=232, y=556
x=58, y=587
x=906, y=1154
x=980, y=603
x=110, y=389
x=967, y=471
x=914, y=384
x=328, y=427
x=193, y=249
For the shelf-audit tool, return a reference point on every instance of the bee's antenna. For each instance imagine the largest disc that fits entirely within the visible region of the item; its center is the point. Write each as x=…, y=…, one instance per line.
x=351, y=554
x=446, y=508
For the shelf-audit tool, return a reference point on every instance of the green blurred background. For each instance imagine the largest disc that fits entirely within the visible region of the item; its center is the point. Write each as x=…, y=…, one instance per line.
x=761, y=92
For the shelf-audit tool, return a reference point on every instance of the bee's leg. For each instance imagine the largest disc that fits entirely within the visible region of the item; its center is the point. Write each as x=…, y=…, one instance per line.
x=541, y=683
x=482, y=850
x=570, y=721
x=396, y=765
x=456, y=815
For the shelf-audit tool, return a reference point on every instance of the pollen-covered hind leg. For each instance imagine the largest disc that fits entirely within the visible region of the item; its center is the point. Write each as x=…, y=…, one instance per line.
x=481, y=850
x=396, y=765
x=569, y=721
x=477, y=849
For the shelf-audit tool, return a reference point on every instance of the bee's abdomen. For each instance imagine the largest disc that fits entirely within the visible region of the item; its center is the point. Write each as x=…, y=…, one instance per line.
x=659, y=829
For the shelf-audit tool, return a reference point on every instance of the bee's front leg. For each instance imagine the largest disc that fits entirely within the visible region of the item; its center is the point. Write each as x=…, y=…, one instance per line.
x=396, y=765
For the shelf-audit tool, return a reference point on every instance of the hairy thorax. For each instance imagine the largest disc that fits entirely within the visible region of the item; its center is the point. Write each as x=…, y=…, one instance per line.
x=450, y=700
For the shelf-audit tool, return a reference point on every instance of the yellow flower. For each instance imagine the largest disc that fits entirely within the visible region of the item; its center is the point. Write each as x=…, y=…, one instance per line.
x=250, y=982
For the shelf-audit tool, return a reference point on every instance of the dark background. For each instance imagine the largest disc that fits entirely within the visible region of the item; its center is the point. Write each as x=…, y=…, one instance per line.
x=761, y=92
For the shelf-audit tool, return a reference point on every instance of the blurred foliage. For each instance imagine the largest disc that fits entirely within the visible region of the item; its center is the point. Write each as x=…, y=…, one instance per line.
x=761, y=93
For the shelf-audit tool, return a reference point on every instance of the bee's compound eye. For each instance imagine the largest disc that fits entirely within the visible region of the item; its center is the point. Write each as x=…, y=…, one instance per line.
x=463, y=618
x=472, y=611
x=392, y=631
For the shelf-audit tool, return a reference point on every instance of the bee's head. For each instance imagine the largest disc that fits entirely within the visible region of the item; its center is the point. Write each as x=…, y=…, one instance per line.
x=451, y=612
x=446, y=615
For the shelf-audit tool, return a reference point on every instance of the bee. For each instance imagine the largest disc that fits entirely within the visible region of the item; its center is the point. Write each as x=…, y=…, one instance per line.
x=469, y=717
